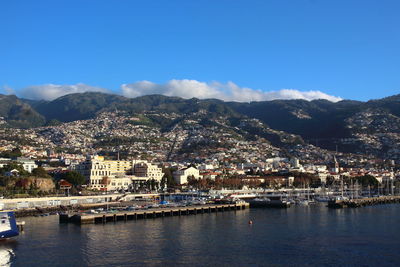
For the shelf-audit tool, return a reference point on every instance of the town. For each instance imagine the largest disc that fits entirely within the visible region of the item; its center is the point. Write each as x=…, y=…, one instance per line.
x=166, y=152
x=28, y=175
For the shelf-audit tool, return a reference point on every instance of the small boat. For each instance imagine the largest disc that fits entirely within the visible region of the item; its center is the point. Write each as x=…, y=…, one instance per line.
x=303, y=202
x=8, y=225
x=92, y=212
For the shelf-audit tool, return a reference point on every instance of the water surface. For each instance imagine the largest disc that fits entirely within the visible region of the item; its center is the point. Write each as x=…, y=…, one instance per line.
x=298, y=236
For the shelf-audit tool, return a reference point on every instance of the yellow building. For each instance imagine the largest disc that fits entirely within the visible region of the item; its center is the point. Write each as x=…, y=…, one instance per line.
x=96, y=169
x=146, y=169
x=108, y=175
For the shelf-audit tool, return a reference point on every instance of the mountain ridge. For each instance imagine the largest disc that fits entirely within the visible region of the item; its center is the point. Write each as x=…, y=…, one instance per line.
x=321, y=122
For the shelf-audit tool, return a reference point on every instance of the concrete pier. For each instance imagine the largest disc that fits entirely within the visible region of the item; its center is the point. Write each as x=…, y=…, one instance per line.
x=85, y=218
x=356, y=203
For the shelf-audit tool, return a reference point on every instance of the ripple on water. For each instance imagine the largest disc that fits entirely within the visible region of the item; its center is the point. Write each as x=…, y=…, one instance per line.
x=307, y=236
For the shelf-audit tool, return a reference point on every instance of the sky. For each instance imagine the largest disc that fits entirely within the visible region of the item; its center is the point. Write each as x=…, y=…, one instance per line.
x=240, y=50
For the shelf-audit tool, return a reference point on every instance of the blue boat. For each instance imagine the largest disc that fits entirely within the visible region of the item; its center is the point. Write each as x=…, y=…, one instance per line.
x=8, y=225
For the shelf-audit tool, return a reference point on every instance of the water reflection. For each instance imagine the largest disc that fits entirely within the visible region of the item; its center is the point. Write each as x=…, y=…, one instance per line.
x=313, y=235
x=7, y=254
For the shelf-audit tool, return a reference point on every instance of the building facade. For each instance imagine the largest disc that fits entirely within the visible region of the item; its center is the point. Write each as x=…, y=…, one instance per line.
x=110, y=175
x=146, y=169
x=181, y=176
x=27, y=164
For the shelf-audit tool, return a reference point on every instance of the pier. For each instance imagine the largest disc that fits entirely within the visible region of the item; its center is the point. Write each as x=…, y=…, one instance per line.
x=85, y=218
x=362, y=202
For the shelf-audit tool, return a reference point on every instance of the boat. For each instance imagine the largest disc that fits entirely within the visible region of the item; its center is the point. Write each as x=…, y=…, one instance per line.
x=269, y=202
x=92, y=212
x=322, y=199
x=8, y=225
x=303, y=202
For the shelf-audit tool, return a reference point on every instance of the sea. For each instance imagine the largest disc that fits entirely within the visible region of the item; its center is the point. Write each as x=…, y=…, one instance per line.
x=311, y=235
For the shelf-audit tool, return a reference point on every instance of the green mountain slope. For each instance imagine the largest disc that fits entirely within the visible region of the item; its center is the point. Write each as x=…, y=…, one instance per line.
x=310, y=119
x=86, y=105
x=18, y=114
x=319, y=122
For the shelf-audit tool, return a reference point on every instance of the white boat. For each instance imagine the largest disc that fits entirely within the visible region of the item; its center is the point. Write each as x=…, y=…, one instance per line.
x=303, y=202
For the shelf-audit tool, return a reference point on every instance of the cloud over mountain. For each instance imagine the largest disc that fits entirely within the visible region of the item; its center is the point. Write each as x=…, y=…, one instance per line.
x=182, y=88
x=53, y=91
x=226, y=91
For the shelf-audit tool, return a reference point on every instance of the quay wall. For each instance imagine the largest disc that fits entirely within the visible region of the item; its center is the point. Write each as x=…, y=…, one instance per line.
x=51, y=202
x=356, y=203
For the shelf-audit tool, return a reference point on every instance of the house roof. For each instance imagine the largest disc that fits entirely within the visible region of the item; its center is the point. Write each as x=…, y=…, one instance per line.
x=64, y=183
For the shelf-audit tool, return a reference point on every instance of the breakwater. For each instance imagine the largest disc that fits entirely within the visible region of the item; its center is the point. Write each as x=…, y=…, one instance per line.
x=362, y=202
x=85, y=218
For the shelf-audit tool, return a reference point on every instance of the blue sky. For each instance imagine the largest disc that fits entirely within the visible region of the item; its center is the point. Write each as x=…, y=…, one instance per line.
x=345, y=48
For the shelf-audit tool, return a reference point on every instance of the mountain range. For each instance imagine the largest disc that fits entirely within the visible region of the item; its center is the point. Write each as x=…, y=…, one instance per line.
x=347, y=124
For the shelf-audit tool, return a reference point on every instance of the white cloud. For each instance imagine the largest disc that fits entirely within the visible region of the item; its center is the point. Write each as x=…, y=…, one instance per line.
x=228, y=91
x=182, y=88
x=53, y=91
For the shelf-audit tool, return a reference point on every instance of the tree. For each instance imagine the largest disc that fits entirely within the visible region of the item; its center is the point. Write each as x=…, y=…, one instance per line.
x=193, y=182
x=367, y=180
x=40, y=172
x=14, y=166
x=330, y=180
x=22, y=183
x=163, y=182
x=153, y=184
x=74, y=178
x=204, y=183
x=16, y=152
x=218, y=183
x=148, y=185
x=169, y=178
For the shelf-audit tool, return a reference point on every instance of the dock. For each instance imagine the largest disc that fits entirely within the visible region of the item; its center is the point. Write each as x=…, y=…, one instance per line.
x=362, y=202
x=125, y=215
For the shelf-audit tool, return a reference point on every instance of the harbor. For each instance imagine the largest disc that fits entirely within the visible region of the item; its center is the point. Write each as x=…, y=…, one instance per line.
x=182, y=240
x=104, y=217
x=271, y=199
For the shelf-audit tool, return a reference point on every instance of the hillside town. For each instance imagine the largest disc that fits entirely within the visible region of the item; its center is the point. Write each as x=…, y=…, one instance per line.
x=118, y=152
x=102, y=174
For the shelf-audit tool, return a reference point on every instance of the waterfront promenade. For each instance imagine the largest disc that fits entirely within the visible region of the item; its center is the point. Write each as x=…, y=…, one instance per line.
x=48, y=202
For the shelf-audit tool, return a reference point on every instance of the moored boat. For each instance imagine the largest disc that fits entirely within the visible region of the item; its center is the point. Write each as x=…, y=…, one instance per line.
x=8, y=225
x=322, y=199
x=269, y=202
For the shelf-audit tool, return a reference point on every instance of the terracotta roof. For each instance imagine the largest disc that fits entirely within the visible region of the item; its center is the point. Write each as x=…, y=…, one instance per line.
x=64, y=183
